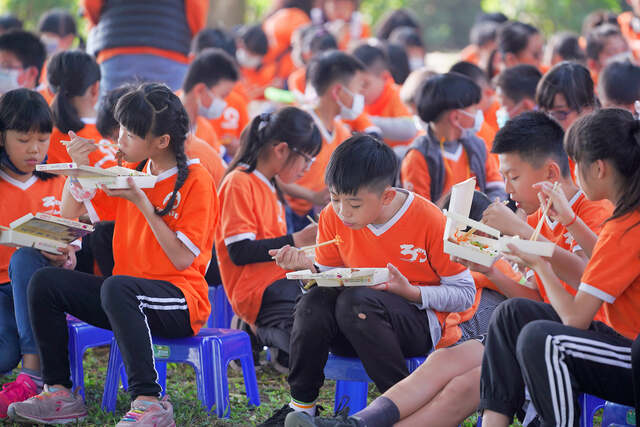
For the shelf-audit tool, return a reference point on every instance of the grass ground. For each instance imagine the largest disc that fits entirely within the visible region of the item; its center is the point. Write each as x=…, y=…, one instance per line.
x=182, y=390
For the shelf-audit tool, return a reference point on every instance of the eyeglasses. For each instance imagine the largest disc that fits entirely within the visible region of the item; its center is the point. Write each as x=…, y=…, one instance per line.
x=308, y=160
x=559, y=115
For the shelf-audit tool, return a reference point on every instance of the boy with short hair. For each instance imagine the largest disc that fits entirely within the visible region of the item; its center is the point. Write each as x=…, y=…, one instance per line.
x=345, y=22
x=380, y=226
x=22, y=57
x=516, y=91
x=382, y=98
x=337, y=78
x=619, y=85
x=604, y=42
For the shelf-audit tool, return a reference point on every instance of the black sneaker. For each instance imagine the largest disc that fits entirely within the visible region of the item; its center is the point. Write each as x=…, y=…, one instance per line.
x=278, y=417
x=301, y=419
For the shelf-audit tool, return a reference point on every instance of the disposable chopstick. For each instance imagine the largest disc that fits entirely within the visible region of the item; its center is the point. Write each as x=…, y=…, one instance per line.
x=101, y=143
x=536, y=232
x=313, y=221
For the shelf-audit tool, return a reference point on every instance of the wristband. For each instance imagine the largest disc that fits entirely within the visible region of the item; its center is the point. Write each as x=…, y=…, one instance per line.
x=575, y=217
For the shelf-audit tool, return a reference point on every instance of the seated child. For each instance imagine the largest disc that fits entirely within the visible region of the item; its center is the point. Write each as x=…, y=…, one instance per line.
x=309, y=42
x=74, y=78
x=283, y=145
x=450, y=152
x=560, y=350
x=161, y=249
x=345, y=22
x=57, y=29
x=519, y=43
x=564, y=46
x=603, y=42
x=410, y=39
x=252, y=46
x=381, y=97
x=379, y=226
x=516, y=91
x=482, y=39
x=22, y=57
x=26, y=124
x=619, y=85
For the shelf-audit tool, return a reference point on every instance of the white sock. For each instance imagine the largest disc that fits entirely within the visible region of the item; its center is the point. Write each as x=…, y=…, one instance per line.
x=308, y=408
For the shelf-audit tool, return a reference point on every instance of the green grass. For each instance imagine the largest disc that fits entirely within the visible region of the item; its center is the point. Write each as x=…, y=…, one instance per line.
x=274, y=392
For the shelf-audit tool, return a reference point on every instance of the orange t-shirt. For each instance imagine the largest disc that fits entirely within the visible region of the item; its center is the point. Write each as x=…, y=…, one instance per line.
x=255, y=81
x=297, y=81
x=313, y=179
x=491, y=117
x=624, y=19
x=46, y=93
x=415, y=176
x=613, y=274
x=363, y=124
x=470, y=54
x=204, y=130
x=103, y=157
x=279, y=29
x=411, y=241
x=234, y=117
x=20, y=198
x=356, y=31
x=389, y=105
x=194, y=219
x=250, y=210
x=594, y=214
x=196, y=148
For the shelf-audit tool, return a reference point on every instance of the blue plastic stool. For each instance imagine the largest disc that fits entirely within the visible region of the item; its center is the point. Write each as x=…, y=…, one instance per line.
x=209, y=353
x=615, y=414
x=221, y=311
x=589, y=406
x=352, y=380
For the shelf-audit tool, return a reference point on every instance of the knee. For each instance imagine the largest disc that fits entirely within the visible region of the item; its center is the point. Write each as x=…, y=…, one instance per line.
x=40, y=285
x=355, y=308
x=112, y=292
x=463, y=387
x=315, y=306
x=532, y=341
x=25, y=259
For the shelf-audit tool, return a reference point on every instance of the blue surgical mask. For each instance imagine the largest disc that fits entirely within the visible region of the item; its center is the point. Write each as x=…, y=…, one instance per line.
x=9, y=79
x=502, y=116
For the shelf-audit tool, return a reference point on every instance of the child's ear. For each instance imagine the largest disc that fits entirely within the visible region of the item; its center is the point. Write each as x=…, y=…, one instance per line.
x=528, y=104
x=163, y=141
x=510, y=60
x=281, y=150
x=94, y=90
x=602, y=168
x=388, y=195
x=554, y=173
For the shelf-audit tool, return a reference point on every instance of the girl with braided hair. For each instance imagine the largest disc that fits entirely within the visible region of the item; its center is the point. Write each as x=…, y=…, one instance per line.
x=279, y=145
x=162, y=246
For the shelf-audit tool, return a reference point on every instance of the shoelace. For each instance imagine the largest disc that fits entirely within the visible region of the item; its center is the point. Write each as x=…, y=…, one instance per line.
x=133, y=415
x=15, y=391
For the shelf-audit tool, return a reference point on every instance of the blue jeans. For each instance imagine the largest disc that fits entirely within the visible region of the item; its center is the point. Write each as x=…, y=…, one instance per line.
x=16, y=335
x=123, y=69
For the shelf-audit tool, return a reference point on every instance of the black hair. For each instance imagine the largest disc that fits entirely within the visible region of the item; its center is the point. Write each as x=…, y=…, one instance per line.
x=304, y=5
x=23, y=110
x=213, y=37
x=106, y=123
x=210, y=67
x=479, y=203
x=566, y=44
x=10, y=22
x=330, y=67
x=153, y=109
x=492, y=70
x=317, y=39
x=535, y=137
x=598, y=18
x=446, y=92
x=513, y=37
x=472, y=71
x=373, y=57
x=620, y=82
x=26, y=46
x=483, y=32
x=394, y=19
x=289, y=124
x=398, y=62
x=598, y=37
x=255, y=39
x=407, y=37
x=570, y=79
x=57, y=21
x=610, y=134
x=362, y=161
x=497, y=17
x=519, y=82
x=70, y=74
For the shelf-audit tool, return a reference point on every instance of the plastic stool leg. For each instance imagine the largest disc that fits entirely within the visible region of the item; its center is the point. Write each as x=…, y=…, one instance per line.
x=589, y=405
x=250, y=381
x=112, y=381
x=161, y=369
x=356, y=391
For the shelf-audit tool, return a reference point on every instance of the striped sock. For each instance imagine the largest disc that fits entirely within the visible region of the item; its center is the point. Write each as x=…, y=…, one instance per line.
x=309, y=408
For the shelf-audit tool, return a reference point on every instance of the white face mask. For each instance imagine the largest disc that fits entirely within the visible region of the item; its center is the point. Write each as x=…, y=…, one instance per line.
x=416, y=62
x=502, y=116
x=246, y=60
x=50, y=43
x=357, y=106
x=215, y=109
x=477, y=124
x=9, y=80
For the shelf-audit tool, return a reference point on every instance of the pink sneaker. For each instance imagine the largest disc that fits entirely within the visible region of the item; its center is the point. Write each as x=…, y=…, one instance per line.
x=52, y=406
x=149, y=414
x=21, y=389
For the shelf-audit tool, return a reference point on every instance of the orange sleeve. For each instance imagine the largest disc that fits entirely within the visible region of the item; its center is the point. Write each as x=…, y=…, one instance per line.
x=362, y=123
x=238, y=220
x=594, y=214
x=414, y=174
x=102, y=206
x=328, y=256
x=92, y=9
x=197, y=12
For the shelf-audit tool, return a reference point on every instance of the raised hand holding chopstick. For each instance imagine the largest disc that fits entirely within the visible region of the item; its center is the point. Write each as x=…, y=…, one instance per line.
x=79, y=149
x=545, y=210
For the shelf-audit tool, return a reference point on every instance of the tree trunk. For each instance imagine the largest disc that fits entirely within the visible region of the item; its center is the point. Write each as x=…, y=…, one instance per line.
x=226, y=13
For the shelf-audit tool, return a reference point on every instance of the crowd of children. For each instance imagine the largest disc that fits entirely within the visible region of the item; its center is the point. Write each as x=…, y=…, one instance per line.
x=305, y=129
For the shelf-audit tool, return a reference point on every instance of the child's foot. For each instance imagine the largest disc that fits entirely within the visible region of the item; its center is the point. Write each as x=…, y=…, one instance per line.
x=52, y=406
x=147, y=413
x=278, y=416
x=21, y=389
x=301, y=419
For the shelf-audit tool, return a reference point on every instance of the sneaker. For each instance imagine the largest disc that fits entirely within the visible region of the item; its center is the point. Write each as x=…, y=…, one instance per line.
x=52, y=406
x=151, y=414
x=279, y=416
x=342, y=419
x=21, y=389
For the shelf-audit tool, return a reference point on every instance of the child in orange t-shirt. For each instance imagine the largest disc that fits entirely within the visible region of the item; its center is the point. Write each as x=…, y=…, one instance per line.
x=384, y=227
x=162, y=247
x=337, y=79
x=450, y=152
x=345, y=22
x=382, y=98
x=74, y=77
x=560, y=350
x=26, y=124
x=603, y=43
x=283, y=145
x=257, y=72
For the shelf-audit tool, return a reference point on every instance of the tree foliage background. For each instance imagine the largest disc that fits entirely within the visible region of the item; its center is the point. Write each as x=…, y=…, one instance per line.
x=446, y=23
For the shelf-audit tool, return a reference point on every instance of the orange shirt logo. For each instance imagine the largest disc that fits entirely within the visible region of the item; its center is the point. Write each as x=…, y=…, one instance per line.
x=414, y=254
x=52, y=203
x=173, y=212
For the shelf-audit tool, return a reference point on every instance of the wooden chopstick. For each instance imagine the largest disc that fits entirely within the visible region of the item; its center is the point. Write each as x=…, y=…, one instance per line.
x=101, y=143
x=536, y=232
x=328, y=242
x=313, y=221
